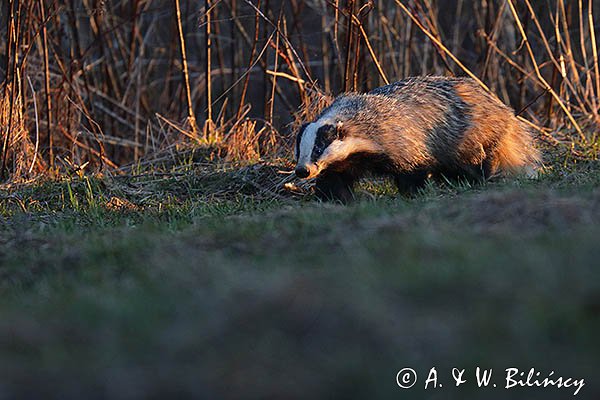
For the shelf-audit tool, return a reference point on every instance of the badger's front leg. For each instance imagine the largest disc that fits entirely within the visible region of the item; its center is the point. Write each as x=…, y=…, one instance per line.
x=409, y=183
x=335, y=186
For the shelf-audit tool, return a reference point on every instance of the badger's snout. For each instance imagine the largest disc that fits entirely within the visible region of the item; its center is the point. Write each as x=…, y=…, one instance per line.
x=307, y=171
x=302, y=171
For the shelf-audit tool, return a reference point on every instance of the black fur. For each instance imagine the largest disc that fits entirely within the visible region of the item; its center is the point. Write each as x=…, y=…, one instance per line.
x=335, y=186
x=409, y=183
x=299, y=139
x=325, y=135
x=337, y=182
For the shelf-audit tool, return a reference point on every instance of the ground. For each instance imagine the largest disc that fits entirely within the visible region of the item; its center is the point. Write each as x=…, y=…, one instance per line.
x=209, y=283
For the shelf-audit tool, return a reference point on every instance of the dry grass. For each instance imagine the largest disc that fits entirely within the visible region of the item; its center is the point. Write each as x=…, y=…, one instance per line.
x=91, y=87
x=20, y=153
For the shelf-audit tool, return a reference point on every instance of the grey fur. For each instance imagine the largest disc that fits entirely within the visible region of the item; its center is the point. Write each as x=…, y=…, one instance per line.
x=422, y=127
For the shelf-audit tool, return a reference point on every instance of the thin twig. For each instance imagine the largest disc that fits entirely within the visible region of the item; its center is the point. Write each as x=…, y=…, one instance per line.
x=186, y=75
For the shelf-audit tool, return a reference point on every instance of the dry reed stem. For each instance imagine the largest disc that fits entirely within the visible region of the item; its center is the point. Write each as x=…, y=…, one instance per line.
x=441, y=46
x=49, y=141
x=185, y=72
x=539, y=74
x=208, y=55
x=37, y=127
x=108, y=86
x=370, y=48
x=594, y=49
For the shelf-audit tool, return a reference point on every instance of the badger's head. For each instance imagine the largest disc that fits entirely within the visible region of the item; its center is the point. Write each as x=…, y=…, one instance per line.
x=326, y=141
x=314, y=147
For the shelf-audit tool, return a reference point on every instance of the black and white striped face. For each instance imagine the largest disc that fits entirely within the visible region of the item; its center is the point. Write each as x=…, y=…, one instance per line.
x=311, y=143
x=329, y=141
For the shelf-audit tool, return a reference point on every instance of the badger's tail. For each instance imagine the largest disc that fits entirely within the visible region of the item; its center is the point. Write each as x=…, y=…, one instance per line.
x=516, y=152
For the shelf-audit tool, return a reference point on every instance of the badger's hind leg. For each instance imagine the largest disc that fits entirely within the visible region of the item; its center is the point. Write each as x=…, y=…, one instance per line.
x=477, y=173
x=335, y=186
x=487, y=170
x=471, y=174
x=409, y=183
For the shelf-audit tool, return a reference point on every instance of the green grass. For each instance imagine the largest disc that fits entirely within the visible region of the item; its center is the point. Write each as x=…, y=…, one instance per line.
x=188, y=289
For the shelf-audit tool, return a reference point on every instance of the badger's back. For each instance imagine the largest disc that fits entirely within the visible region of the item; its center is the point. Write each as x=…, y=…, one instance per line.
x=439, y=122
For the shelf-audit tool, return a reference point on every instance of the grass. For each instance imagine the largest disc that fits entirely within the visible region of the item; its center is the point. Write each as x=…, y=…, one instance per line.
x=203, y=285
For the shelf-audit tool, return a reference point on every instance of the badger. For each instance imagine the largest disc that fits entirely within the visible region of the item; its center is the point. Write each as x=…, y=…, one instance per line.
x=412, y=130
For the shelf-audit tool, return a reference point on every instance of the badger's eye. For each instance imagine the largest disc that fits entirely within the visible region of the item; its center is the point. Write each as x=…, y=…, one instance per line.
x=333, y=132
x=328, y=133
